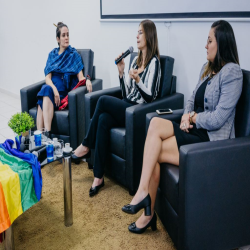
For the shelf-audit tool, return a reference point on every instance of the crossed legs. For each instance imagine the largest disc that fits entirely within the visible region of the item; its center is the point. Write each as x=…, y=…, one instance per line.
x=45, y=116
x=160, y=146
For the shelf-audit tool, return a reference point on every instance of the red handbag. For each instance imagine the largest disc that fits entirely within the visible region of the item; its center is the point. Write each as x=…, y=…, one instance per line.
x=65, y=101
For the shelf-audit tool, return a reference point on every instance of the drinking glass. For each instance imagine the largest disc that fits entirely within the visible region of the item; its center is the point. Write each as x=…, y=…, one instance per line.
x=44, y=136
x=59, y=145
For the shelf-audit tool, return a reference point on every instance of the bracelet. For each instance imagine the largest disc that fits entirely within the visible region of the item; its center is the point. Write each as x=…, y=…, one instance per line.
x=190, y=120
x=88, y=77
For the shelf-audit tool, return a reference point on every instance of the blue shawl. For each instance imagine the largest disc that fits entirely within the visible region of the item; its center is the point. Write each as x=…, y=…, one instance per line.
x=68, y=63
x=32, y=160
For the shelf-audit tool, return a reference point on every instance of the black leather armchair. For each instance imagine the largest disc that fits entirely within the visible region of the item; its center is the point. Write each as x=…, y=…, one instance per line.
x=126, y=144
x=205, y=203
x=68, y=124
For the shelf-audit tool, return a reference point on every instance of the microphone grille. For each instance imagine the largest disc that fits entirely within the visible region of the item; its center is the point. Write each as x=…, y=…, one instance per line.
x=131, y=49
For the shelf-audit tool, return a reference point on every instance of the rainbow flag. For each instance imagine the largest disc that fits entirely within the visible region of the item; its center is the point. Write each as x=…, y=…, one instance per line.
x=17, y=193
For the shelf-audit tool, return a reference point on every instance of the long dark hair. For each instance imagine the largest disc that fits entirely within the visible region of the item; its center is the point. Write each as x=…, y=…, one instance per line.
x=226, y=47
x=58, y=29
x=151, y=42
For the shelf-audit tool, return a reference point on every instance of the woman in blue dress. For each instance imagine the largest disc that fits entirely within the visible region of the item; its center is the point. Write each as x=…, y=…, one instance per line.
x=62, y=73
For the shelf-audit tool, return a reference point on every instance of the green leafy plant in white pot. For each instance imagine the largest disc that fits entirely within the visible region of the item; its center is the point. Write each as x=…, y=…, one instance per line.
x=21, y=123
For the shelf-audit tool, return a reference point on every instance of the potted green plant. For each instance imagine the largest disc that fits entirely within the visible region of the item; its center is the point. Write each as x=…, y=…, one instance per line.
x=21, y=123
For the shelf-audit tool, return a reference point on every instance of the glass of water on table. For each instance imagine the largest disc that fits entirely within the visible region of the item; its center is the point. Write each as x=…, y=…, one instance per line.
x=58, y=146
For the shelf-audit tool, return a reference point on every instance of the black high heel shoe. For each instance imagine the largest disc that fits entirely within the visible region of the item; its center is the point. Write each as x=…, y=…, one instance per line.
x=134, y=229
x=77, y=159
x=133, y=209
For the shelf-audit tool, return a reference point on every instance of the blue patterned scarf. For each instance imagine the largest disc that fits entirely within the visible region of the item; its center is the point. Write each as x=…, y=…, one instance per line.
x=68, y=63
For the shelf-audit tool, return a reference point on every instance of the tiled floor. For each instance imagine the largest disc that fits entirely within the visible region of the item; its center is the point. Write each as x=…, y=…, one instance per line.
x=8, y=107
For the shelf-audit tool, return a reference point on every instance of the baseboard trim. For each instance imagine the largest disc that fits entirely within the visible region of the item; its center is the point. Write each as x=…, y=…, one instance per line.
x=4, y=91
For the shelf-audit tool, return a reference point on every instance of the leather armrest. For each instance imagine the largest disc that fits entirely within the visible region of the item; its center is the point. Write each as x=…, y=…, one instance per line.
x=28, y=96
x=77, y=110
x=175, y=116
x=213, y=191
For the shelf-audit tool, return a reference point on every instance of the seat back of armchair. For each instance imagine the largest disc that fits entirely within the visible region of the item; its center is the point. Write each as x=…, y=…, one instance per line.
x=88, y=60
x=167, y=65
x=242, y=117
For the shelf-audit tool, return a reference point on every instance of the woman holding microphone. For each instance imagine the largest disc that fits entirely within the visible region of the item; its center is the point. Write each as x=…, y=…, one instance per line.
x=141, y=86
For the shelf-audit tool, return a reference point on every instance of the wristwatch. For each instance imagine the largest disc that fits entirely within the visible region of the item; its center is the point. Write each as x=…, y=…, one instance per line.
x=190, y=117
x=88, y=77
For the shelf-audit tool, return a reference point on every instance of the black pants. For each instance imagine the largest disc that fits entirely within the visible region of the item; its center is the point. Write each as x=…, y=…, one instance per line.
x=109, y=113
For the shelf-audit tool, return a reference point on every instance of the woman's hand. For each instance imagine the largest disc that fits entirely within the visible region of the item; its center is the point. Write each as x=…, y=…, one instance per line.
x=56, y=97
x=194, y=118
x=185, y=123
x=89, y=85
x=133, y=73
x=121, y=66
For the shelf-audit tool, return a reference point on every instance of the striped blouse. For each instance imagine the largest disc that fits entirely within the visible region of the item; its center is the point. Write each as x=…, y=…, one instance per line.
x=148, y=87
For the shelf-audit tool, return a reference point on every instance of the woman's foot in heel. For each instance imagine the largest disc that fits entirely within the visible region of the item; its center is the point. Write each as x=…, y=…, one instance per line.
x=81, y=152
x=143, y=223
x=133, y=209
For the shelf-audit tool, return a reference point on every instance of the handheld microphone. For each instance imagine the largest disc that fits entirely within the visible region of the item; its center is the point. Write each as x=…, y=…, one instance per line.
x=130, y=50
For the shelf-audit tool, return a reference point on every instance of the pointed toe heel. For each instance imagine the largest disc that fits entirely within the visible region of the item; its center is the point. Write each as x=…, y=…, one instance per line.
x=133, y=209
x=134, y=229
x=77, y=159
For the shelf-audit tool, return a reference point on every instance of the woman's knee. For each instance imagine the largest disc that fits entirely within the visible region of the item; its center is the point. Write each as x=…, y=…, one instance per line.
x=158, y=124
x=154, y=125
x=103, y=99
x=105, y=121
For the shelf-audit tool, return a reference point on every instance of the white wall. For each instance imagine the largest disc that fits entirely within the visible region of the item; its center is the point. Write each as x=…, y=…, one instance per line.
x=27, y=35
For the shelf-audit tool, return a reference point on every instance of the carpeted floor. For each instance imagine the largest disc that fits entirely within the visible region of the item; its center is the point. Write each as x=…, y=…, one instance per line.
x=99, y=222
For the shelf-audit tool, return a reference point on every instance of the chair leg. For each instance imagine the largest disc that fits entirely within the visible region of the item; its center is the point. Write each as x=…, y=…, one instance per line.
x=90, y=166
